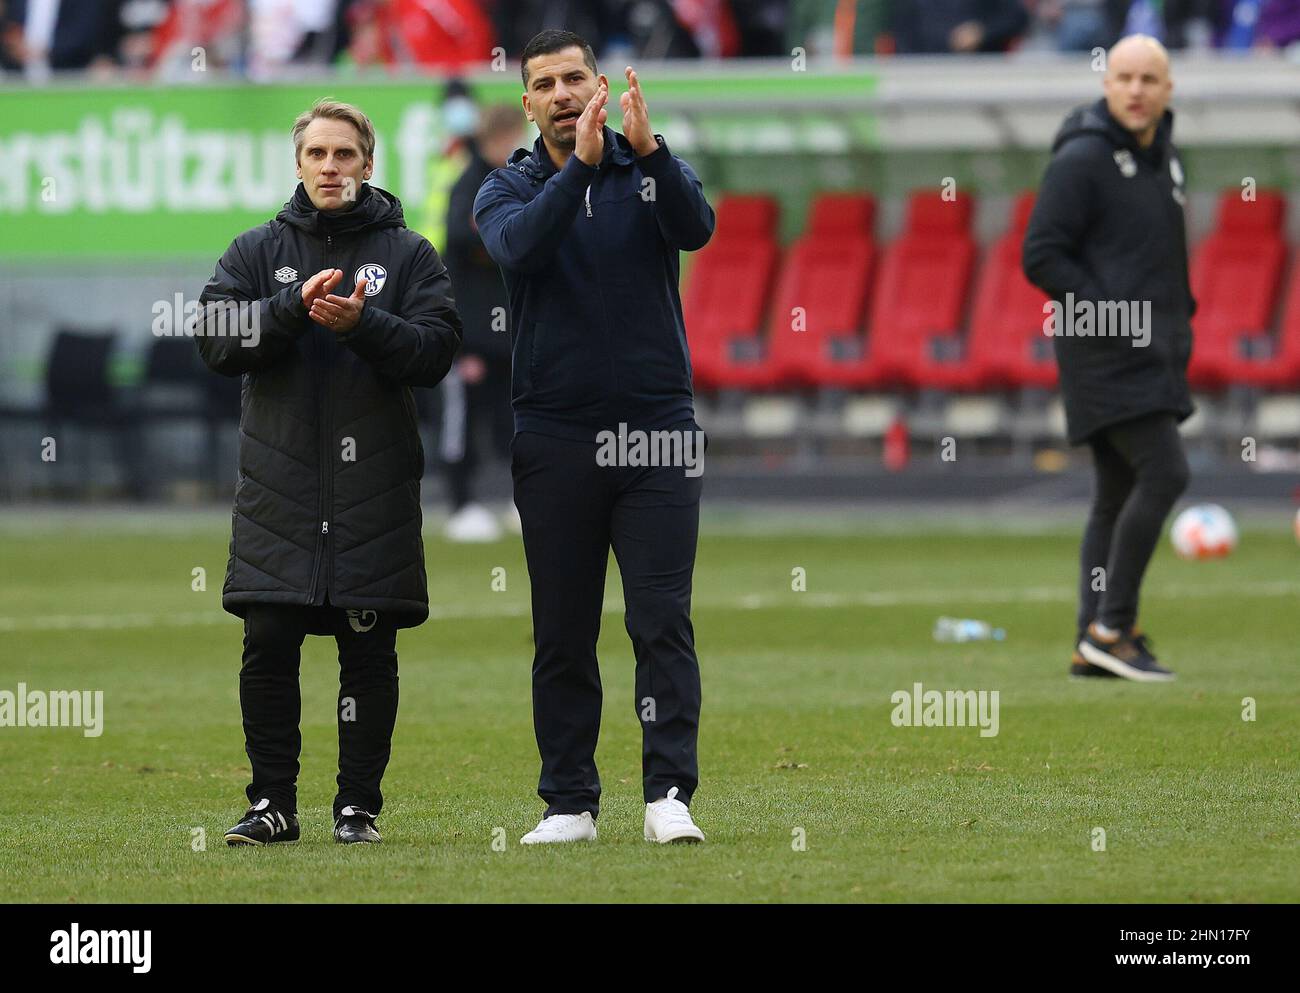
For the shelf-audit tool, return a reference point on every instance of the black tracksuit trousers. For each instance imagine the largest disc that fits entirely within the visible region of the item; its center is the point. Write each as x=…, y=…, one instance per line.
x=468, y=412
x=573, y=511
x=1141, y=472
x=270, y=697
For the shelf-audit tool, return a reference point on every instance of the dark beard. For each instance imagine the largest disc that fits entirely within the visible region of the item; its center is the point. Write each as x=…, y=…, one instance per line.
x=565, y=140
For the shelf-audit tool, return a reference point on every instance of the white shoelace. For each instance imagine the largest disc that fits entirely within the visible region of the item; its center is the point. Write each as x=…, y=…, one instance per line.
x=673, y=810
x=557, y=823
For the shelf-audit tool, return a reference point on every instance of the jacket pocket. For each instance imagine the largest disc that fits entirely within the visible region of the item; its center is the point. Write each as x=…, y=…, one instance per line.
x=567, y=362
x=521, y=361
x=536, y=344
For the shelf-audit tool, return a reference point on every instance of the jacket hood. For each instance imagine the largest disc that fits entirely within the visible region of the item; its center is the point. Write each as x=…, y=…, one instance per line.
x=1095, y=118
x=537, y=161
x=375, y=208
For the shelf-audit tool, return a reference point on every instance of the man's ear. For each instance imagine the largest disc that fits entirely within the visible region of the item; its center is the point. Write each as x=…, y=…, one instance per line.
x=527, y=109
x=602, y=78
x=297, y=168
x=370, y=167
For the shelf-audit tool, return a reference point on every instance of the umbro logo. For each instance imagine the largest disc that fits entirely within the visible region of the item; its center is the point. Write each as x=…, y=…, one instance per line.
x=285, y=274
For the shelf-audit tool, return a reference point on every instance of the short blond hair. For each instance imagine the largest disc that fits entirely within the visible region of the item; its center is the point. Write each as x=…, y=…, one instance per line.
x=338, y=111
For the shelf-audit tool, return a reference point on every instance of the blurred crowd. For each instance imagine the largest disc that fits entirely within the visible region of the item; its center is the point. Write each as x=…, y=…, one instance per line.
x=270, y=38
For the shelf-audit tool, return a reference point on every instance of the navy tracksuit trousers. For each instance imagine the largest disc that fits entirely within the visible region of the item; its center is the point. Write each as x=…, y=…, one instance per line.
x=573, y=511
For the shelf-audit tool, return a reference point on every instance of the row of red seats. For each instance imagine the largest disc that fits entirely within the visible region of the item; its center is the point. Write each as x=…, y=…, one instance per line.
x=839, y=312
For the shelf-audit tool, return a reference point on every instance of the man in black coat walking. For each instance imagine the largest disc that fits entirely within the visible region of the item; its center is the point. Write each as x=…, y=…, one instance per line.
x=326, y=527
x=476, y=394
x=1106, y=242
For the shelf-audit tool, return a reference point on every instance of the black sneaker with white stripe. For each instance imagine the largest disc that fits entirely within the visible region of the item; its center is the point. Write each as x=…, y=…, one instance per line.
x=1125, y=653
x=1081, y=668
x=354, y=826
x=263, y=824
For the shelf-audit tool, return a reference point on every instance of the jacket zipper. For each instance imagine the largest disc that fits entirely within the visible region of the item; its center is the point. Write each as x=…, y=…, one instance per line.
x=320, y=489
x=323, y=542
x=327, y=440
x=609, y=347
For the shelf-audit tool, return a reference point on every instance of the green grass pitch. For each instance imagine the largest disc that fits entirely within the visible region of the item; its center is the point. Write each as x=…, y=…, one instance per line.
x=808, y=791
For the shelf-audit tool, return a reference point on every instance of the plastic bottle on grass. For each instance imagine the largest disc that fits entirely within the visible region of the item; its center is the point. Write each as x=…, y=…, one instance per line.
x=960, y=629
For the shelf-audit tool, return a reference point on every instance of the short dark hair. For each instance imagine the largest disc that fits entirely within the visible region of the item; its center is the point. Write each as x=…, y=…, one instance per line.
x=554, y=40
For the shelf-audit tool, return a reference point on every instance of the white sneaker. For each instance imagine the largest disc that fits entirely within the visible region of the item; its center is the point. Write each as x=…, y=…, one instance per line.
x=669, y=820
x=512, y=521
x=562, y=827
x=473, y=522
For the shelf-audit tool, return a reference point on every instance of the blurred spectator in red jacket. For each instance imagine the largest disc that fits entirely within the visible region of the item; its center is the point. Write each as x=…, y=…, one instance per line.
x=442, y=33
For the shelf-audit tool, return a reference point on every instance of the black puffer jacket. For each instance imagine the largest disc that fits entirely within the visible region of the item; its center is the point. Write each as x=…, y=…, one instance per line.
x=1108, y=227
x=328, y=500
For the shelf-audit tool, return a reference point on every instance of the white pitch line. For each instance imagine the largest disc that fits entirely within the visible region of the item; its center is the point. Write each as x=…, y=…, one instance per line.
x=749, y=601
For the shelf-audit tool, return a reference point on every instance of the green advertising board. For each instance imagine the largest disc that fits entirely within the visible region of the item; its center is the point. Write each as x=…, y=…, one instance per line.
x=153, y=171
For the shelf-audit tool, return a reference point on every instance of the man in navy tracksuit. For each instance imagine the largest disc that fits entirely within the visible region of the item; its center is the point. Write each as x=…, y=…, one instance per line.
x=586, y=228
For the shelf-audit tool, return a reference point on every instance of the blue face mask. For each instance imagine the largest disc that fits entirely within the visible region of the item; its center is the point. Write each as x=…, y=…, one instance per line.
x=459, y=116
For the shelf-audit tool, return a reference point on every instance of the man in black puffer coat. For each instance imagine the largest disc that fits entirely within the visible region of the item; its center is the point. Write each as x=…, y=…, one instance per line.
x=326, y=531
x=1106, y=242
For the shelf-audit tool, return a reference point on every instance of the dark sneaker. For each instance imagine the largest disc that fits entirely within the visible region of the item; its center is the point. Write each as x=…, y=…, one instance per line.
x=1127, y=654
x=356, y=826
x=263, y=824
x=1081, y=668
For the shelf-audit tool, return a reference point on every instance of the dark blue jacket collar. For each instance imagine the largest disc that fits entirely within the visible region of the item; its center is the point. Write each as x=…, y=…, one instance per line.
x=537, y=162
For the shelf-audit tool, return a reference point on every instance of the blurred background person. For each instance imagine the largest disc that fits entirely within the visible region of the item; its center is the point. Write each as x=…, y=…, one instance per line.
x=476, y=394
x=69, y=34
x=822, y=28
x=218, y=27
x=459, y=119
x=1276, y=26
x=932, y=27
x=1078, y=25
x=11, y=38
x=398, y=33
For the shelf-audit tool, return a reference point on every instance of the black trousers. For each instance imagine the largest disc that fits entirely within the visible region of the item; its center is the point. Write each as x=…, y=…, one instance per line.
x=469, y=412
x=573, y=510
x=271, y=700
x=1141, y=470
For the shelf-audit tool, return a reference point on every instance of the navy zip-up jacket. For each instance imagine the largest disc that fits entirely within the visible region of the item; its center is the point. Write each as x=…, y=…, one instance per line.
x=589, y=257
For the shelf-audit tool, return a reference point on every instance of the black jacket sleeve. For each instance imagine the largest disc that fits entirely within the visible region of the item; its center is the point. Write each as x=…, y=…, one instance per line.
x=1062, y=214
x=685, y=218
x=238, y=332
x=417, y=347
x=462, y=234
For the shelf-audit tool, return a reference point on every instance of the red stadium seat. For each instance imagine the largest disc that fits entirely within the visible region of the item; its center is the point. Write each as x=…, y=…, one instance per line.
x=727, y=295
x=747, y=216
x=1006, y=347
x=1236, y=273
x=1282, y=371
x=920, y=296
x=821, y=298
